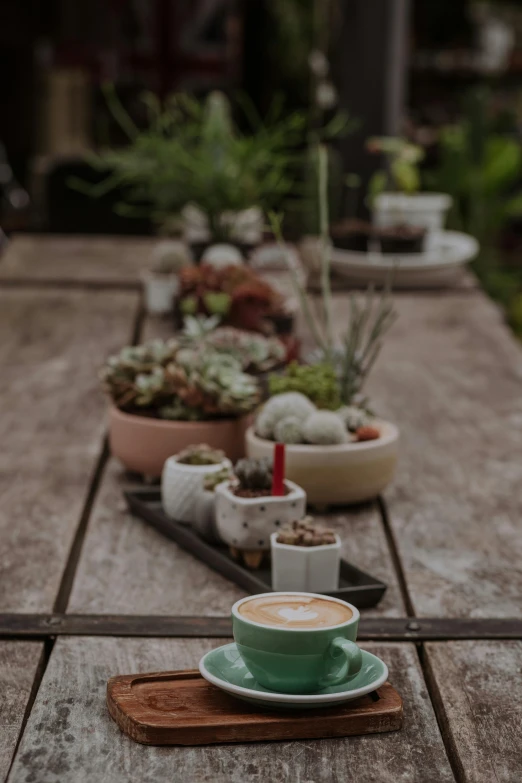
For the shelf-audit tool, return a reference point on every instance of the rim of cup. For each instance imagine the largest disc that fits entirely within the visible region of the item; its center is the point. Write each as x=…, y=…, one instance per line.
x=235, y=611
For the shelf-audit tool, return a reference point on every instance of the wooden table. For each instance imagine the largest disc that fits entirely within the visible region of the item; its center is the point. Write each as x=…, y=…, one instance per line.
x=87, y=591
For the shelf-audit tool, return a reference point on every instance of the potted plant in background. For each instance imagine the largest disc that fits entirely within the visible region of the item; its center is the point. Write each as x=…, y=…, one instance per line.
x=236, y=295
x=401, y=213
x=183, y=479
x=192, y=162
x=305, y=558
x=161, y=281
x=337, y=450
x=256, y=503
x=165, y=398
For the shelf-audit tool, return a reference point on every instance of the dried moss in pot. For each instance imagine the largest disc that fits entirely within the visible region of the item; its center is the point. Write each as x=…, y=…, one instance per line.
x=304, y=533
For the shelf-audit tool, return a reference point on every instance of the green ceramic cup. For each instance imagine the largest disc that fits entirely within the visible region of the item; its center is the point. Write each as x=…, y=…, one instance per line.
x=298, y=660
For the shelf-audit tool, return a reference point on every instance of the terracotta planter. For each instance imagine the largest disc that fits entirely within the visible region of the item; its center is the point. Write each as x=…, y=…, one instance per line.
x=247, y=523
x=337, y=475
x=143, y=444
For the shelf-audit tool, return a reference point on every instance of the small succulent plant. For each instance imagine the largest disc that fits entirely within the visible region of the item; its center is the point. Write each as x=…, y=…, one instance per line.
x=211, y=480
x=279, y=407
x=353, y=417
x=200, y=454
x=254, y=474
x=255, y=352
x=324, y=428
x=289, y=430
x=166, y=380
x=305, y=533
x=318, y=382
x=169, y=257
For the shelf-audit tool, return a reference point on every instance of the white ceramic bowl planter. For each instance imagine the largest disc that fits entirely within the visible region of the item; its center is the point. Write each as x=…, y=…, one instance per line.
x=246, y=524
x=310, y=569
x=422, y=210
x=160, y=291
x=181, y=484
x=346, y=473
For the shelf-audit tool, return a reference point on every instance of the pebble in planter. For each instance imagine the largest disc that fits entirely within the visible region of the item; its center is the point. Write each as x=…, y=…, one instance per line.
x=252, y=507
x=305, y=557
x=183, y=478
x=161, y=282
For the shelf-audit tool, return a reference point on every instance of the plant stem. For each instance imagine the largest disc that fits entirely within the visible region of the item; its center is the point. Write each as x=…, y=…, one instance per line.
x=325, y=247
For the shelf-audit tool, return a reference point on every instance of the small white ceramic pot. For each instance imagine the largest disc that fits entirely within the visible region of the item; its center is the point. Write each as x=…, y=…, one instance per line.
x=181, y=485
x=247, y=523
x=310, y=569
x=205, y=515
x=422, y=210
x=160, y=292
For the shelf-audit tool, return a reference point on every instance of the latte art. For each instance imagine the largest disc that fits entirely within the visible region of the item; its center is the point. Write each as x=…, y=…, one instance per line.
x=299, y=611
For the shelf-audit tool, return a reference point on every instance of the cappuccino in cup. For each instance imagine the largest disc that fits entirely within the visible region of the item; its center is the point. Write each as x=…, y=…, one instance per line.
x=297, y=642
x=293, y=612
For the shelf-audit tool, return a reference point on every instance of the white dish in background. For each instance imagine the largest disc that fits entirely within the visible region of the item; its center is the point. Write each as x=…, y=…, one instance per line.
x=439, y=266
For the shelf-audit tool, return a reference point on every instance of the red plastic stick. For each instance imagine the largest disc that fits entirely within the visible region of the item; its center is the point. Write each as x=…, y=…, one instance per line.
x=278, y=479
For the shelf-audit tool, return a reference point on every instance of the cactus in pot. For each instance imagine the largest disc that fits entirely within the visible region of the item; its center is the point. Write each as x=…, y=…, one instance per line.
x=248, y=510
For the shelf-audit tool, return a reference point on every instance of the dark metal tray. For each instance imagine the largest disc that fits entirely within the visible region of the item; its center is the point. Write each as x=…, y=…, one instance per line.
x=355, y=585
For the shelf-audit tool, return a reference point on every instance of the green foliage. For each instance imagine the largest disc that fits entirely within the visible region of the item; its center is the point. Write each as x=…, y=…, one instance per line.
x=318, y=382
x=479, y=168
x=192, y=153
x=402, y=173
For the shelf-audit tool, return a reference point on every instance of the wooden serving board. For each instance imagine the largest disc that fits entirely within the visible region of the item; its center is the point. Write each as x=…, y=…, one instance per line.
x=182, y=708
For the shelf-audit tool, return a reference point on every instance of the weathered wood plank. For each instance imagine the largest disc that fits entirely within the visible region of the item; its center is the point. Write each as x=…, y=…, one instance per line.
x=76, y=259
x=480, y=704
x=127, y=567
x=70, y=734
x=18, y=666
x=51, y=428
x=450, y=376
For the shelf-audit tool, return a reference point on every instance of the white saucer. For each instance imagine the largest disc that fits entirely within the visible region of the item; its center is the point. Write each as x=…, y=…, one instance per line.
x=440, y=265
x=225, y=668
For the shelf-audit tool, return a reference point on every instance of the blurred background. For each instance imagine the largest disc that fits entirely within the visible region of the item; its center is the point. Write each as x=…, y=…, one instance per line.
x=443, y=74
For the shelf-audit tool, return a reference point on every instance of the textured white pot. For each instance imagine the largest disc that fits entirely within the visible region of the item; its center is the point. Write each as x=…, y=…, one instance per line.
x=311, y=569
x=330, y=475
x=423, y=210
x=247, y=523
x=181, y=485
x=160, y=292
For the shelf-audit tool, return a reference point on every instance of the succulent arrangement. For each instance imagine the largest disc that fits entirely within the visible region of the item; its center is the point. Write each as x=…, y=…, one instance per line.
x=200, y=454
x=235, y=293
x=211, y=480
x=304, y=532
x=254, y=477
x=160, y=379
x=255, y=352
x=292, y=418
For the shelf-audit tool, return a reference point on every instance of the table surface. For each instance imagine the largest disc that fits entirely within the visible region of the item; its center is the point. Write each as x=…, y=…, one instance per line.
x=86, y=589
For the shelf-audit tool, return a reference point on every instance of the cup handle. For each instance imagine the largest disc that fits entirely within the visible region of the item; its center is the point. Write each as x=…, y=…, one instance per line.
x=351, y=665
